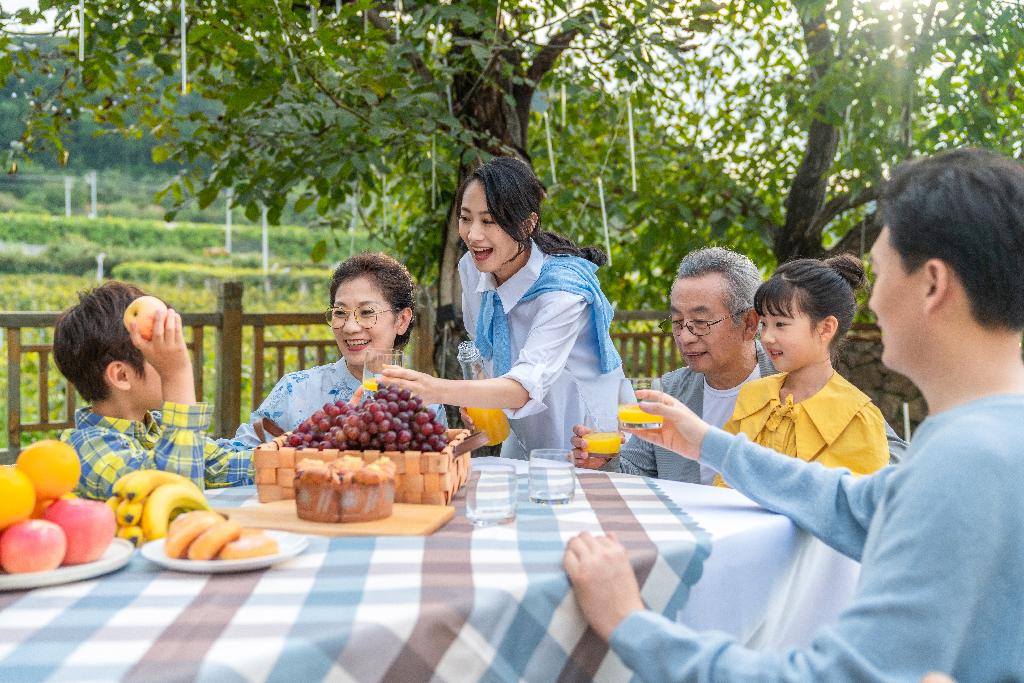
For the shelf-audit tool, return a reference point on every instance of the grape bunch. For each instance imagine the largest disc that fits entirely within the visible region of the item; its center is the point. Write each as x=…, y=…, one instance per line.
x=391, y=420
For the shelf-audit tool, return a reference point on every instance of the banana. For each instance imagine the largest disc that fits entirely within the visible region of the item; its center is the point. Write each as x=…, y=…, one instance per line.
x=131, y=533
x=136, y=486
x=113, y=502
x=161, y=505
x=128, y=513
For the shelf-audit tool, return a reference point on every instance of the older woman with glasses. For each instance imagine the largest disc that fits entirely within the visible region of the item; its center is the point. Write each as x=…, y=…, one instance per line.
x=372, y=309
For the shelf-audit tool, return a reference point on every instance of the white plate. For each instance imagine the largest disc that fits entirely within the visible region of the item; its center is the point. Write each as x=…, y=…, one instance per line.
x=289, y=545
x=117, y=556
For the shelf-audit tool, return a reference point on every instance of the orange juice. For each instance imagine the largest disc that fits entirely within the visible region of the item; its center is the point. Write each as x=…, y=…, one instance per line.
x=631, y=416
x=492, y=421
x=603, y=443
x=370, y=384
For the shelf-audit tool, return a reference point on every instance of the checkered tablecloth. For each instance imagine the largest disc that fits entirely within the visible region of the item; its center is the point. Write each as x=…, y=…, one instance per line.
x=463, y=604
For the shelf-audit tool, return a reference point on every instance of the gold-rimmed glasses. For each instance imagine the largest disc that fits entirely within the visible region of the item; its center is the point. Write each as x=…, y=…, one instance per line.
x=366, y=316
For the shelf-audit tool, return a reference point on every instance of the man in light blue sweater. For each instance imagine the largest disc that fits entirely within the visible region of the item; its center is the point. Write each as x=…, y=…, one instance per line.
x=941, y=537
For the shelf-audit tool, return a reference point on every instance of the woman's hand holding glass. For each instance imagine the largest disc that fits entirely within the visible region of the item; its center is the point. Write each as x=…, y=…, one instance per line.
x=681, y=431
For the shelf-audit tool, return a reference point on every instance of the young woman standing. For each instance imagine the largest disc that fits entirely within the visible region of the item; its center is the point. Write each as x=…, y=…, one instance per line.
x=534, y=307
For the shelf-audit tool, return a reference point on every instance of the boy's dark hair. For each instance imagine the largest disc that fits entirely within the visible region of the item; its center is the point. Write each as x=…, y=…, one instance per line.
x=964, y=207
x=91, y=335
x=390, y=276
x=513, y=192
x=817, y=288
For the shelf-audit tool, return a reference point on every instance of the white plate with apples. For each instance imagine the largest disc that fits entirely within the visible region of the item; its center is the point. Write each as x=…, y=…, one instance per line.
x=116, y=556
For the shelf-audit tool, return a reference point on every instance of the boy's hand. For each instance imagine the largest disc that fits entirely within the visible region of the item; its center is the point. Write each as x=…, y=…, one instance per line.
x=167, y=353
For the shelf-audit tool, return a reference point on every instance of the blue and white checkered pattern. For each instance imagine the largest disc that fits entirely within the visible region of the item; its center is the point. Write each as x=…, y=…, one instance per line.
x=463, y=604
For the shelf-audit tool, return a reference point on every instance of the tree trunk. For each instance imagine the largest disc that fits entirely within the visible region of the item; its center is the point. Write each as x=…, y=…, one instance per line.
x=800, y=235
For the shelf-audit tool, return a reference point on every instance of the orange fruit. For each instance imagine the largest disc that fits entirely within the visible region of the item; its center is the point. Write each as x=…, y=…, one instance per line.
x=52, y=466
x=17, y=496
x=40, y=507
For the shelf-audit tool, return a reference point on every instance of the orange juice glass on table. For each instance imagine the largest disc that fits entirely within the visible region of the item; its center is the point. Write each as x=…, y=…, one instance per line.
x=374, y=365
x=604, y=438
x=631, y=415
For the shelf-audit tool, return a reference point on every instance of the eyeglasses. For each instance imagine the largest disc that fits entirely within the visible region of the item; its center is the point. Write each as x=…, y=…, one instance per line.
x=698, y=328
x=365, y=317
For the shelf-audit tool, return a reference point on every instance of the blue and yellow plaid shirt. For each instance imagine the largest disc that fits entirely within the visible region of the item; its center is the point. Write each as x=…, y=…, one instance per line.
x=173, y=439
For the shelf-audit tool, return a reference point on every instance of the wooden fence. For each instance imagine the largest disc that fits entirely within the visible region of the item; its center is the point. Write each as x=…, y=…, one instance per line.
x=645, y=350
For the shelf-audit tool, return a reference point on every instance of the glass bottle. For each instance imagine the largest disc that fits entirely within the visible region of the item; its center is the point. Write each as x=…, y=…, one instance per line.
x=490, y=420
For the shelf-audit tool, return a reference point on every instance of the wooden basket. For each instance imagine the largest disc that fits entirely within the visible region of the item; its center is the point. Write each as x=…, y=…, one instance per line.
x=428, y=478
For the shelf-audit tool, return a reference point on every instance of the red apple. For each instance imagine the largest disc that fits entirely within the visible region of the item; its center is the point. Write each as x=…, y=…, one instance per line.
x=34, y=545
x=88, y=524
x=143, y=312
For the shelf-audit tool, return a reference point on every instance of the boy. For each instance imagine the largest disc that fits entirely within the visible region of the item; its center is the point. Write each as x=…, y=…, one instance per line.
x=127, y=379
x=939, y=538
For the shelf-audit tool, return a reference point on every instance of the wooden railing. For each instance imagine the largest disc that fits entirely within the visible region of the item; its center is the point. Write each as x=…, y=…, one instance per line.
x=28, y=336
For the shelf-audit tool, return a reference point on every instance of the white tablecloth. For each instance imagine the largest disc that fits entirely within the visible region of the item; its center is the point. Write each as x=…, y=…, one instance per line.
x=767, y=583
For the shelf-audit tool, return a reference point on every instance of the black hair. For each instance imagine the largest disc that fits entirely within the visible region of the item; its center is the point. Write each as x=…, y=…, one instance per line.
x=817, y=288
x=964, y=207
x=91, y=335
x=513, y=192
x=391, y=277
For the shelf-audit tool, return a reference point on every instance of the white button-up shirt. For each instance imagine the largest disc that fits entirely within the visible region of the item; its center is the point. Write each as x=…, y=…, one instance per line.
x=554, y=356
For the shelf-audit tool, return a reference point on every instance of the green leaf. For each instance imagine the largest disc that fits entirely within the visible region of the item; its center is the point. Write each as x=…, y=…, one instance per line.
x=319, y=251
x=160, y=154
x=304, y=202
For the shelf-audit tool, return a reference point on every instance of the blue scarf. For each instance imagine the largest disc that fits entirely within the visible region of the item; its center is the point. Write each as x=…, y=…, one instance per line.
x=570, y=274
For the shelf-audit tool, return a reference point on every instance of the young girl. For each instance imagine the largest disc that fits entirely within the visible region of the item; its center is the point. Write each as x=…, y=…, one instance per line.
x=533, y=305
x=809, y=410
x=372, y=300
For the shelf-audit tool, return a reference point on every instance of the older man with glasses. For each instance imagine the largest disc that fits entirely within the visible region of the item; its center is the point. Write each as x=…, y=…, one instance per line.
x=715, y=328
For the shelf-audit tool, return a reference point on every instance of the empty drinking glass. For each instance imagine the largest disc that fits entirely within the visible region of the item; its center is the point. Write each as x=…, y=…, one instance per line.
x=374, y=365
x=552, y=479
x=491, y=496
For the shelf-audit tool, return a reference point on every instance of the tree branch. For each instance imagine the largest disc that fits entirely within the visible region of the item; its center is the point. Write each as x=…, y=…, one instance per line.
x=550, y=53
x=842, y=203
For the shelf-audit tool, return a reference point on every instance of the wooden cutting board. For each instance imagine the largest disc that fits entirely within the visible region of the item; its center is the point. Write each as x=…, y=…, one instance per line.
x=405, y=520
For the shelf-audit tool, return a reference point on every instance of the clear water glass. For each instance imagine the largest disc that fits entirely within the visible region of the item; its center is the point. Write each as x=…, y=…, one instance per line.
x=552, y=476
x=491, y=495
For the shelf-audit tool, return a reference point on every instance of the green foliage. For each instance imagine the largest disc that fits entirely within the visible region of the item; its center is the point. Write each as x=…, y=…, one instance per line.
x=354, y=119
x=194, y=275
x=159, y=241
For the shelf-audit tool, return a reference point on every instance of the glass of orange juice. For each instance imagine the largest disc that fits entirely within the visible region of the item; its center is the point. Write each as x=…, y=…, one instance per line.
x=604, y=439
x=631, y=416
x=374, y=365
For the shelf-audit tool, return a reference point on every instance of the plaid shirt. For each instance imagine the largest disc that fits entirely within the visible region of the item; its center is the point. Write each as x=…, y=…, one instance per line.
x=173, y=439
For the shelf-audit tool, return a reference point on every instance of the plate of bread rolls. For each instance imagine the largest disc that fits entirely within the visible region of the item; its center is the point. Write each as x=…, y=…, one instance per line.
x=205, y=542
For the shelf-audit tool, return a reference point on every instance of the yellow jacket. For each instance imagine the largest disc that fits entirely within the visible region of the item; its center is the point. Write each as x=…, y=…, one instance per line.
x=838, y=427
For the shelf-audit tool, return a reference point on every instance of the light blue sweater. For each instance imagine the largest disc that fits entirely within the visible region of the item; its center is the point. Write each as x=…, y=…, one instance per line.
x=941, y=541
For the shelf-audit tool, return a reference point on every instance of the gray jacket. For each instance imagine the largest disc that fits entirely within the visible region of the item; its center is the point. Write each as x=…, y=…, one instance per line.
x=644, y=458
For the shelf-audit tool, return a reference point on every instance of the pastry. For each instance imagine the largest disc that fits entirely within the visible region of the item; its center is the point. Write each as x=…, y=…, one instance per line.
x=344, y=490
x=185, y=528
x=250, y=544
x=209, y=543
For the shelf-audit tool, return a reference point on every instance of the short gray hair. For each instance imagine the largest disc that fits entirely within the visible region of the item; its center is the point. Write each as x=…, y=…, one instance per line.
x=741, y=275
